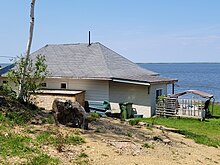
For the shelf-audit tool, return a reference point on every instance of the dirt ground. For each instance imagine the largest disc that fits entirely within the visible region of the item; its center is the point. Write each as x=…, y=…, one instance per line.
x=112, y=142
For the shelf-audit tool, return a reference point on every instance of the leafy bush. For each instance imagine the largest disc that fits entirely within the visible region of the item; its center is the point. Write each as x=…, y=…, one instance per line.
x=6, y=90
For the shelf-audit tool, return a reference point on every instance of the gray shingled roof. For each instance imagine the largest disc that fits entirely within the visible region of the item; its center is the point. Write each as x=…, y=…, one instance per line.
x=95, y=61
x=6, y=68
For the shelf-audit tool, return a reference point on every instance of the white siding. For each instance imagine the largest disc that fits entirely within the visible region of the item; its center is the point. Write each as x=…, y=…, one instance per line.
x=136, y=94
x=97, y=90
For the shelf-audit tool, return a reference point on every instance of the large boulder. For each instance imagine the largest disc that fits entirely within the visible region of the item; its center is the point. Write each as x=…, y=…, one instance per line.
x=69, y=113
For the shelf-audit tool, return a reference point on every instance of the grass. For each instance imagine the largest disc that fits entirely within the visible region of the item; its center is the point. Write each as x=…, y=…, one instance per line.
x=22, y=143
x=49, y=137
x=147, y=145
x=23, y=146
x=74, y=139
x=93, y=116
x=206, y=132
x=133, y=122
x=43, y=159
x=15, y=145
x=83, y=155
x=46, y=137
x=216, y=110
x=82, y=159
x=129, y=134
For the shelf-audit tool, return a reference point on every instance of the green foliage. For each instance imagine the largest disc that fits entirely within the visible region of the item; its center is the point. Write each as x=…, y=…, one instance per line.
x=133, y=122
x=83, y=155
x=74, y=139
x=201, y=139
x=35, y=75
x=46, y=137
x=161, y=98
x=129, y=134
x=93, y=116
x=13, y=145
x=50, y=119
x=206, y=132
x=12, y=118
x=216, y=109
x=147, y=145
x=82, y=159
x=6, y=90
x=16, y=113
x=43, y=159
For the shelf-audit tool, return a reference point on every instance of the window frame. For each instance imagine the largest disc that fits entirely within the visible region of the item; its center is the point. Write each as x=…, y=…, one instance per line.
x=160, y=93
x=62, y=83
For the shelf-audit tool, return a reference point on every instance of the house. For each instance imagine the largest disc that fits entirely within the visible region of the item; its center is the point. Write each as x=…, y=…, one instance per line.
x=103, y=75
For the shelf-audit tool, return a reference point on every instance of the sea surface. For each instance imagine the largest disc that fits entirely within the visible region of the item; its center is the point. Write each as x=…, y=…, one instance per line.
x=199, y=76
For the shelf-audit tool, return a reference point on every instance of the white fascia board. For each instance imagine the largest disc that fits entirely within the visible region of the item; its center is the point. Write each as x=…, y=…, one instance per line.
x=131, y=82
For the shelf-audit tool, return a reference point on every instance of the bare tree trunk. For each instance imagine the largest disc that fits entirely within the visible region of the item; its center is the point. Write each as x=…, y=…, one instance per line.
x=27, y=56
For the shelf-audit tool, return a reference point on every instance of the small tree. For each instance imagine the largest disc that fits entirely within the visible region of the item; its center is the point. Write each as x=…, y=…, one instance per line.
x=25, y=60
x=35, y=74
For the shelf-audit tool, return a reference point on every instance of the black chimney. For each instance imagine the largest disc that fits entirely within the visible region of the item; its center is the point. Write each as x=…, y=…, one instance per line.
x=89, y=39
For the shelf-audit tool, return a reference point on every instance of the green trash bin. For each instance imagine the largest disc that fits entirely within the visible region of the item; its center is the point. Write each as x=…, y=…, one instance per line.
x=129, y=110
x=123, y=109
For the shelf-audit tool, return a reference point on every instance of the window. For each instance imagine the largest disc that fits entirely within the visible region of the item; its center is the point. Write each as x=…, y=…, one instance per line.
x=159, y=92
x=43, y=84
x=63, y=85
x=5, y=82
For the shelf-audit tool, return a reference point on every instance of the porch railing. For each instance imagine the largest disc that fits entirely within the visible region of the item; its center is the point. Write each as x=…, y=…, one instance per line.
x=180, y=108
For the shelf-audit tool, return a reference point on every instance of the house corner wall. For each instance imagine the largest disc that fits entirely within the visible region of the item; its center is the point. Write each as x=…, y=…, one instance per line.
x=136, y=94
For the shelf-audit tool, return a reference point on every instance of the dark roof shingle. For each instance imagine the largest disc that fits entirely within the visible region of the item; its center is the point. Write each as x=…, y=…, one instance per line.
x=94, y=61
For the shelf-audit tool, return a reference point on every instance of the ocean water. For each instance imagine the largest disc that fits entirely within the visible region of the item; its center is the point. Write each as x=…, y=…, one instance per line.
x=199, y=76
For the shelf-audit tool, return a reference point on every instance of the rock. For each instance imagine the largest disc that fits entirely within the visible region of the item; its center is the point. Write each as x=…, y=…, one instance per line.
x=141, y=123
x=166, y=141
x=69, y=113
x=157, y=138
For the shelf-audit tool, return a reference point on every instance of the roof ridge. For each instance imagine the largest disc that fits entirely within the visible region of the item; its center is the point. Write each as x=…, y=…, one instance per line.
x=132, y=63
x=103, y=56
x=79, y=43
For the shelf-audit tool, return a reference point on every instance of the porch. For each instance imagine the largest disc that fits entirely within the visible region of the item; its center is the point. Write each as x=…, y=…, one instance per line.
x=193, y=108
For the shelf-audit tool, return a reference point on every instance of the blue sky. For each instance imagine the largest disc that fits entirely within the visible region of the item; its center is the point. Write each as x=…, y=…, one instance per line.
x=140, y=30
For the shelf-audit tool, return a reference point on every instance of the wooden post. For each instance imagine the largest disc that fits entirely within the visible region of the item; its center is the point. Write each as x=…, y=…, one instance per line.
x=173, y=88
